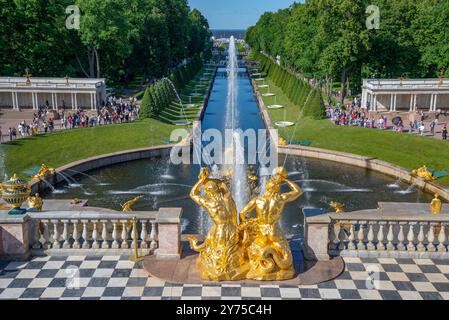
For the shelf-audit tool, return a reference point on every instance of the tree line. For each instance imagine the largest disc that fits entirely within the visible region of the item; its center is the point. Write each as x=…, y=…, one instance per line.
x=116, y=39
x=335, y=40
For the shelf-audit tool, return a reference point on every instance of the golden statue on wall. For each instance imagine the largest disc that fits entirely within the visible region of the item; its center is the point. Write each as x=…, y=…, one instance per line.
x=424, y=174
x=436, y=206
x=44, y=172
x=35, y=203
x=256, y=249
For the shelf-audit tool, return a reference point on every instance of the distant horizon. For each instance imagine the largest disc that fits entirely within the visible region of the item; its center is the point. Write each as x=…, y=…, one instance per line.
x=236, y=14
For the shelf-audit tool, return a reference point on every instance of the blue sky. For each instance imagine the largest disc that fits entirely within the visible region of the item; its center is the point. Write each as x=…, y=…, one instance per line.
x=236, y=14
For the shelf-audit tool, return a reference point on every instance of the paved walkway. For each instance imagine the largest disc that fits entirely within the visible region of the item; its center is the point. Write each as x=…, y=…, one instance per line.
x=115, y=277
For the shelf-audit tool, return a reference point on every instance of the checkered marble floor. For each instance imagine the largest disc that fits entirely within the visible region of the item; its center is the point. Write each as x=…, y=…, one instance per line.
x=115, y=277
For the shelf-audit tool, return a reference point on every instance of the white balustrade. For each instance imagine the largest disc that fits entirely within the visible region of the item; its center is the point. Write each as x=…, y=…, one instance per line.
x=400, y=236
x=97, y=232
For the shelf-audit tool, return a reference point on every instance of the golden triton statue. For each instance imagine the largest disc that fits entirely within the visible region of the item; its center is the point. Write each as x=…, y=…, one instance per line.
x=424, y=173
x=436, y=205
x=44, y=172
x=221, y=257
x=35, y=203
x=267, y=250
x=128, y=206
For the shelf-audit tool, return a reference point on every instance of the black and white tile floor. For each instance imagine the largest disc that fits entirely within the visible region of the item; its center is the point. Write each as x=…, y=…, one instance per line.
x=115, y=277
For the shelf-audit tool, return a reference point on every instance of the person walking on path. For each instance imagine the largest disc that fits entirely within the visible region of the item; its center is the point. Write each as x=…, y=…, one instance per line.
x=444, y=132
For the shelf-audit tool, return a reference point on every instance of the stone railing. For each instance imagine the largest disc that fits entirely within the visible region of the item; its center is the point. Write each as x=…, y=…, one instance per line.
x=373, y=233
x=90, y=232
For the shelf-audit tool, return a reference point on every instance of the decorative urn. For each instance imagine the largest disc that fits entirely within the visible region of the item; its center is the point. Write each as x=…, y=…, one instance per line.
x=15, y=191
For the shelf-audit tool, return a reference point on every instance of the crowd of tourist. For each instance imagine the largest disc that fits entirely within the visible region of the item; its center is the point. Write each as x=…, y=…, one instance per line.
x=354, y=115
x=114, y=111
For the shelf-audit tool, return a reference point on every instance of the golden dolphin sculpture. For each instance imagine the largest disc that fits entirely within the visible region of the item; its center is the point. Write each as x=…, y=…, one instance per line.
x=256, y=249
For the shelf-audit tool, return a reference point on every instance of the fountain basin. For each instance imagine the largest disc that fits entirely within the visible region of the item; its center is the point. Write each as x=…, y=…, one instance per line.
x=275, y=107
x=284, y=124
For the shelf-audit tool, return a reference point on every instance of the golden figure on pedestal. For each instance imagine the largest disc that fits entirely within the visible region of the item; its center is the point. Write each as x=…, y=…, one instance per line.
x=267, y=250
x=424, y=173
x=44, y=172
x=35, y=203
x=221, y=256
x=436, y=205
x=256, y=249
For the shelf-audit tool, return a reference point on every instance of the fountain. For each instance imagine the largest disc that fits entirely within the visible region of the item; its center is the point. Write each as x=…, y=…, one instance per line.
x=183, y=113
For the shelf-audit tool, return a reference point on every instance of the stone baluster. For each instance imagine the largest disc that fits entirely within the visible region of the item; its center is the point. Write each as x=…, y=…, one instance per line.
x=85, y=234
x=331, y=235
x=421, y=238
x=104, y=235
x=115, y=238
x=442, y=239
x=76, y=235
x=154, y=237
x=65, y=234
x=45, y=237
x=335, y=229
x=56, y=244
x=370, y=246
x=401, y=237
x=124, y=235
x=390, y=237
x=381, y=237
x=431, y=238
x=134, y=236
x=95, y=244
x=411, y=237
x=144, y=235
x=36, y=235
x=361, y=237
x=351, y=238
x=341, y=237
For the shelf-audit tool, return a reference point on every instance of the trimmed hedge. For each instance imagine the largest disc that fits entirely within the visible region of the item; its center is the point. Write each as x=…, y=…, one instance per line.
x=160, y=94
x=294, y=88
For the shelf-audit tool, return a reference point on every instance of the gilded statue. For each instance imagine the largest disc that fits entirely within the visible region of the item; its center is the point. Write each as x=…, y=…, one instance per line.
x=75, y=201
x=221, y=257
x=282, y=142
x=35, y=203
x=424, y=173
x=436, y=205
x=128, y=206
x=337, y=206
x=266, y=249
x=44, y=172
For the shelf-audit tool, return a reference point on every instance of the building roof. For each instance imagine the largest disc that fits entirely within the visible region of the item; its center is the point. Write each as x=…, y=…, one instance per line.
x=406, y=84
x=50, y=83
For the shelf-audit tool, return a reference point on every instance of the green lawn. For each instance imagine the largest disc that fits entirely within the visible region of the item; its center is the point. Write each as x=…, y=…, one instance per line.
x=64, y=147
x=407, y=151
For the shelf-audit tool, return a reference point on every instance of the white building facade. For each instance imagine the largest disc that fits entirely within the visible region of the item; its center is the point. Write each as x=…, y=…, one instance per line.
x=405, y=95
x=31, y=93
